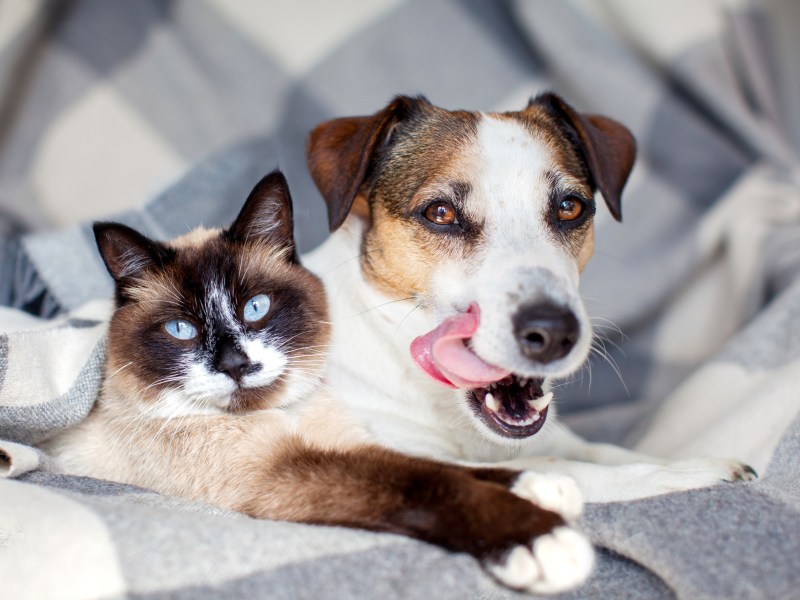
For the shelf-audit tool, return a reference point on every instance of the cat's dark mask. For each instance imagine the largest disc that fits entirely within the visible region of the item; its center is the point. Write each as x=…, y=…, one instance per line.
x=216, y=319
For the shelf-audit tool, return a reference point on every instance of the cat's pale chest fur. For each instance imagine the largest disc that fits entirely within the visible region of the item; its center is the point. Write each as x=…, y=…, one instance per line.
x=210, y=458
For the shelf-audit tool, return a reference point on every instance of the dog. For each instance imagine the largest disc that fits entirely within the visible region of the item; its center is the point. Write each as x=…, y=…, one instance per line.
x=453, y=269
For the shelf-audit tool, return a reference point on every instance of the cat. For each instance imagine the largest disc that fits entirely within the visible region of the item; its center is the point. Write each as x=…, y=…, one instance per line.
x=214, y=391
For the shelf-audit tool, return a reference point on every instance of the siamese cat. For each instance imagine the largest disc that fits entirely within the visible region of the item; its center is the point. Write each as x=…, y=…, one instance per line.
x=214, y=391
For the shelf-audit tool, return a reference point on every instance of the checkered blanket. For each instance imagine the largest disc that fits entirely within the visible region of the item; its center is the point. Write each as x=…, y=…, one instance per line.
x=165, y=113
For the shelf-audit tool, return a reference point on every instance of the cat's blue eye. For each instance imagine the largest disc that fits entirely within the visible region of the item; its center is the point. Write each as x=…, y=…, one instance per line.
x=256, y=308
x=183, y=330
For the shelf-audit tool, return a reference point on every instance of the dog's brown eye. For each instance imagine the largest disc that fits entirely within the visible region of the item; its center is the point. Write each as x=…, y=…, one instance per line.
x=570, y=209
x=441, y=213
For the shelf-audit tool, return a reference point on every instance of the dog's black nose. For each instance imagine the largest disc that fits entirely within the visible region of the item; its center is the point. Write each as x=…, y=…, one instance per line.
x=235, y=363
x=546, y=332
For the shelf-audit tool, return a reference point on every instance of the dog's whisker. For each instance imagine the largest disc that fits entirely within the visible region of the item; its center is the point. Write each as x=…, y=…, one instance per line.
x=363, y=312
x=403, y=320
x=600, y=350
x=349, y=260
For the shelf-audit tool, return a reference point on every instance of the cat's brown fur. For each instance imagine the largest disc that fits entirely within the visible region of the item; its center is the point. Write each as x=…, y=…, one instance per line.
x=306, y=462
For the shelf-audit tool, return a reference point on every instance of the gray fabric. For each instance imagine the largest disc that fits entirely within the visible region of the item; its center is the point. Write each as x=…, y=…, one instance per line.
x=34, y=424
x=696, y=294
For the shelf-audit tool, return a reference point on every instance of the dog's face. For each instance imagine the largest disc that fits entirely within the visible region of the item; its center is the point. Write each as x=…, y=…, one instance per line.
x=486, y=221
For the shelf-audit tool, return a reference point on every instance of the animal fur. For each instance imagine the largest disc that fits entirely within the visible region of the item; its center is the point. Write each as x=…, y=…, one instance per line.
x=234, y=413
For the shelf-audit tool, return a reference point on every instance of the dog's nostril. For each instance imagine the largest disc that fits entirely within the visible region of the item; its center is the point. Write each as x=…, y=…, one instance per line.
x=546, y=332
x=535, y=339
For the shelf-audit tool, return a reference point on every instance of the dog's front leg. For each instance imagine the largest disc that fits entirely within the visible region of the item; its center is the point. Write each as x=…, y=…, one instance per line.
x=564, y=443
x=608, y=473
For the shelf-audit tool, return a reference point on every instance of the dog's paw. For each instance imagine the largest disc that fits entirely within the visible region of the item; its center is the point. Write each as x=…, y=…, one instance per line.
x=557, y=493
x=556, y=562
x=679, y=476
x=717, y=469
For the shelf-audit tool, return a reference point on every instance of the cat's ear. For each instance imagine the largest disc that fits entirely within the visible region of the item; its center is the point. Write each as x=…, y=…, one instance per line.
x=127, y=253
x=267, y=215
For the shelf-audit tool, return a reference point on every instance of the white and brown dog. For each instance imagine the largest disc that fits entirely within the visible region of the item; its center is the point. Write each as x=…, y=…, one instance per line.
x=453, y=281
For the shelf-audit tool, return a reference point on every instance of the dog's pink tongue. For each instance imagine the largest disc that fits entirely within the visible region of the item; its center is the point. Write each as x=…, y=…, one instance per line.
x=445, y=357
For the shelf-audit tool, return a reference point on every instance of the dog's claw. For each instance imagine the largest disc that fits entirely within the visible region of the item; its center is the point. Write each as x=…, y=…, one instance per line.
x=742, y=472
x=749, y=473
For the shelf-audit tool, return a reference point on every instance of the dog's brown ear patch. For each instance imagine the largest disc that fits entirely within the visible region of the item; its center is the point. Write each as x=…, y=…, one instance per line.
x=608, y=146
x=340, y=151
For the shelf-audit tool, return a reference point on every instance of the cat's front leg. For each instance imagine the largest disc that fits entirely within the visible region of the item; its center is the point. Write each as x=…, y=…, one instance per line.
x=492, y=514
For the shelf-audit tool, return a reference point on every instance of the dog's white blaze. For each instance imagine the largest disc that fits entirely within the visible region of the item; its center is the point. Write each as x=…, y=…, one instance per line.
x=521, y=261
x=509, y=188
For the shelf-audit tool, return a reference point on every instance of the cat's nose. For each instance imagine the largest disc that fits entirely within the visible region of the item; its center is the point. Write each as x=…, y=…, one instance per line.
x=235, y=363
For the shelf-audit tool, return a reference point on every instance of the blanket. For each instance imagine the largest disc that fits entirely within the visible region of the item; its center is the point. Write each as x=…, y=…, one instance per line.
x=164, y=114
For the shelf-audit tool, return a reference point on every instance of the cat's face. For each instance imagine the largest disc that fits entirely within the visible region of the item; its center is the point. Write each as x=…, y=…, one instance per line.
x=216, y=320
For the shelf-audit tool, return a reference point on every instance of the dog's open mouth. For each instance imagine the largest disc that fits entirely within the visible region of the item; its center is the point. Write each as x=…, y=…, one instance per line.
x=513, y=406
x=509, y=405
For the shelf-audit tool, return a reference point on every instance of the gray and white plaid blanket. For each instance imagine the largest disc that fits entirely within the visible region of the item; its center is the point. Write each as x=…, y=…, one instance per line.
x=164, y=113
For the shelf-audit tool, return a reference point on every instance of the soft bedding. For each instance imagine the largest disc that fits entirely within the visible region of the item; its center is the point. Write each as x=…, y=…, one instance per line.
x=164, y=114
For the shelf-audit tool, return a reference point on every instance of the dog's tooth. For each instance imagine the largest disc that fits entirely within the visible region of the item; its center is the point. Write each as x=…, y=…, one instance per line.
x=492, y=402
x=541, y=403
x=523, y=382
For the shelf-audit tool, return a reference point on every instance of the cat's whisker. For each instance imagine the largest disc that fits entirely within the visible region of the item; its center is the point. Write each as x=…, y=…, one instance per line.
x=125, y=366
x=318, y=362
x=302, y=358
x=301, y=348
x=163, y=380
x=309, y=354
x=284, y=341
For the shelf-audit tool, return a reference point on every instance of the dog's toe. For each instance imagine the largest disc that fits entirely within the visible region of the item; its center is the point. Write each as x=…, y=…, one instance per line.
x=717, y=469
x=556, y=562
x=742, y=472
x=557, y=493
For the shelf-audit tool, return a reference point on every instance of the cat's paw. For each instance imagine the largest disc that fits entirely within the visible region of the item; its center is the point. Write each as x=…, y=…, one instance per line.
x=557, y=493
x=556, y=562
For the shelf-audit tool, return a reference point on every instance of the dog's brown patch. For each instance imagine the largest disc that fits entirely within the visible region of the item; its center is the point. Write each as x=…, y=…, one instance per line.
x=425, y=162
x=605, y=148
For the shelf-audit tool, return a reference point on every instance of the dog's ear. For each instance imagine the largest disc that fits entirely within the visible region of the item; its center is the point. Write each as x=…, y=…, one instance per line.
x=340, y=153
x=608, y=146
x=267, y=215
